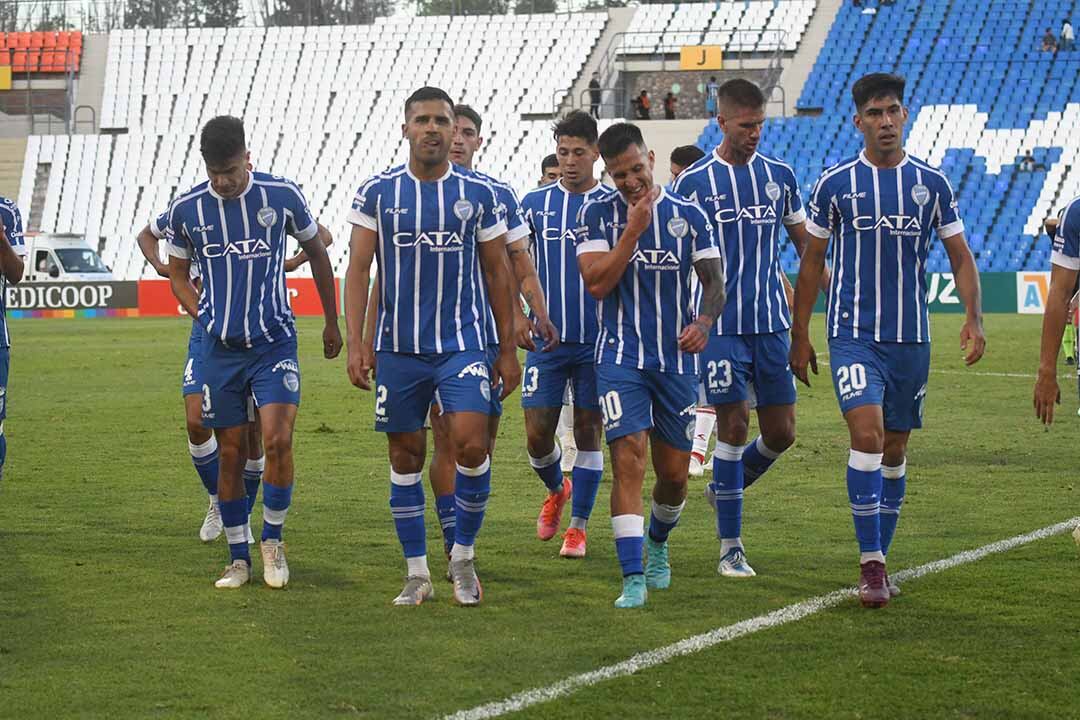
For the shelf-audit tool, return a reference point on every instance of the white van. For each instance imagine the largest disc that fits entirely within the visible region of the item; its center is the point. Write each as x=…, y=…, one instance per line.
x=62, y=258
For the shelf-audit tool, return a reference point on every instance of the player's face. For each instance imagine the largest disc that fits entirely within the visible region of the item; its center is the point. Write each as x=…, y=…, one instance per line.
x=576, y=160
x=551, y=174
x=742, y=127
x=676, y=171
x=632, y=172
x=881, y=121
x=230, y=178
x=429, y=128
x=466, y=141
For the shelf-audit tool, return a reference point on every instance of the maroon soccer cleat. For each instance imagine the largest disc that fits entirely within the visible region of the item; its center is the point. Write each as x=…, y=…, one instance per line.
x=873, y=592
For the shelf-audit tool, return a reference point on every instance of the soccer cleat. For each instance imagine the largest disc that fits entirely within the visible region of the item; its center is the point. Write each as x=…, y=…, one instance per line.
x=212, y=526
x=710, y=496
x=894, y=589
x=873, y=592
x=633, y=592
x=275, y=568
x=417, y=589
x=550, y=518
x=657, y=567
x=697, y=465
x=467, y=589
x=573, y=544
x=250, y=537
x=733, y=564
x=236, y=574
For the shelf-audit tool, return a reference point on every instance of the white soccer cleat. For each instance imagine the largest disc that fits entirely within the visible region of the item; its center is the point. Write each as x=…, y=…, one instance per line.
x=236, y=574
x=211, y=524
x=733, y=564
x=696, y=468
x=467, y=588
x=275, y=568
x=417, y=589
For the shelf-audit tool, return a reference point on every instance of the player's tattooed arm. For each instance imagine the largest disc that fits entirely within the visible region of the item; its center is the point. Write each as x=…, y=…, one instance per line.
x=148, y=246
x=361, y=251
x=695, y=336
x=802, y=355
x=529, y=288
x=183, y=290
x=972, y=338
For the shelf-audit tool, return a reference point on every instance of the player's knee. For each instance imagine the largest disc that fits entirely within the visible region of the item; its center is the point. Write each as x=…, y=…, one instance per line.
x=277, y=444
x=197, y=434
x=473, y=452
x=781, y=438
x=732, y=428
x=540, y=442
x=867, y=439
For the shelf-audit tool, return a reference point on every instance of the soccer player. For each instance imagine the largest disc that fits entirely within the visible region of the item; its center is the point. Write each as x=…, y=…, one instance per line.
x=467, y=141
x=235, y=226
x=1064, y=274
x=436, y=228
x=549, y=170
x=751, y=197
x=683, y=157
x=552, y=213
x=12, y=252
x=202, y=445
x=880, y=208
x=636, y=251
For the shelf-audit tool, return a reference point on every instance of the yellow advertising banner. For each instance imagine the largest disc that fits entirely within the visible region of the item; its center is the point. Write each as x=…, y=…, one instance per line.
x=5, y=77
x=701, y=57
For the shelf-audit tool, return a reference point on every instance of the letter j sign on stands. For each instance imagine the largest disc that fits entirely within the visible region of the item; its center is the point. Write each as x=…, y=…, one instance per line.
x=701, y=57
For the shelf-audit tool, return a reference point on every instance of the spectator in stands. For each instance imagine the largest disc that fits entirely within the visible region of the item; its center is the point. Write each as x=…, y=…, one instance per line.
x=856, y=3
x=683, y=157
x=642, y=106
x=549, y=170
x=1067, y=36
x=669, y=106
x=594, y=95
x=712, y=92
x=1027, y=163
x=1049, y=42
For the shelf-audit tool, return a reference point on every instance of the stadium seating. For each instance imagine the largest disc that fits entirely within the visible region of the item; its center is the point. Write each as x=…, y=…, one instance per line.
x=739, y=26
x=322, y=105
x=41, y=52
x=980, y=93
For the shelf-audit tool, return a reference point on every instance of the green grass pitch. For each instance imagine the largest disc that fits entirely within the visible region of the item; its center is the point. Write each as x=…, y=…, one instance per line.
x=107, y=607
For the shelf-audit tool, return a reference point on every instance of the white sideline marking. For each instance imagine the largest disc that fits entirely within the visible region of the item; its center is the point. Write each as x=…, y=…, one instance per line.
x=697, y=643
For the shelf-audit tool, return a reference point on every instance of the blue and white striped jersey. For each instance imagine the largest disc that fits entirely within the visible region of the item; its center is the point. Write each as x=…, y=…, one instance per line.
x=510, y=210
x=240, y=246
x=747, y=204
x=1066, y=251
x=552, y=213
x=642, y=317
x=433, y=293
x=159, y=228
x=881, y=221
x=11, y=219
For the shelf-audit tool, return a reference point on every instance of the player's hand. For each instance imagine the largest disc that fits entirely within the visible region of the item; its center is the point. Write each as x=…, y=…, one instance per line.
x=801, y=357
x=331, y=339
x=361, y=363
x=523, y=333
x=544, y=329
x=505, y=373
x=694, y=336
x=972, y=335
x=1047, y=394
x=640, y=214
x=824, y=282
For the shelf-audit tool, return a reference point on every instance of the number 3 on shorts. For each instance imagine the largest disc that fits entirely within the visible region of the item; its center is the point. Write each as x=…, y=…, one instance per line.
x=532, y=379
x=851, y=378
x=611, y=406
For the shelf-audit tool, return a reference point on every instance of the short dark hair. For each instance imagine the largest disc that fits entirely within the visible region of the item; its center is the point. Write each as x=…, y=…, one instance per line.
x=579, y=124
x=686, y=155
x=617, y=138
x=551, y=160
x=428, y=93
x=741, y=93
x=222, y=139
x=467, y=111
x=877, y=85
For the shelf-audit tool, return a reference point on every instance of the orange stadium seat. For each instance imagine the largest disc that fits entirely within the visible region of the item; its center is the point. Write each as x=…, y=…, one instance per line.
x=18, y=61
x=5, y=56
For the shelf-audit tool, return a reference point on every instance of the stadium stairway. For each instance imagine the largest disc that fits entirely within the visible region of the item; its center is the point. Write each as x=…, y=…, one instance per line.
x=90, y=85
x=618, y=22
x=12, y=153
x=797, y=69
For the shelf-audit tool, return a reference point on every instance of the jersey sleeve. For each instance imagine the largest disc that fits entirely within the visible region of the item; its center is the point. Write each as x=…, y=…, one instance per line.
x=365, y=206
x=946, y=219
x=13, y=227
x=178, y=242
x=819, y=221
x=685, y=186
x=701, y=232
x=794, y=213
x=491, y=223
x=159, y=224
x=516, y=227
x=591, y=235
x=1066, y=252
x=300, y=224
